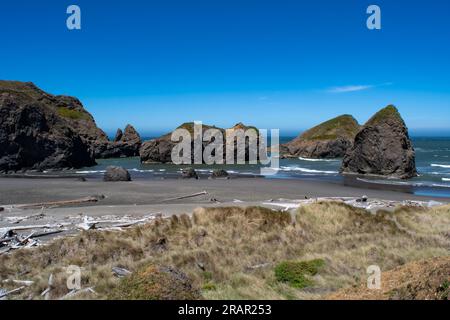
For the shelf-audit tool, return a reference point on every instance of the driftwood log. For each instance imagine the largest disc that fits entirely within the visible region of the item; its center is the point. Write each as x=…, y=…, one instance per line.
x=57, y=203
x=187, y=196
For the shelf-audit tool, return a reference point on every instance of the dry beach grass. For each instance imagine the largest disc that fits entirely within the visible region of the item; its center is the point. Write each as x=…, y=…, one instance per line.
x=232, y=252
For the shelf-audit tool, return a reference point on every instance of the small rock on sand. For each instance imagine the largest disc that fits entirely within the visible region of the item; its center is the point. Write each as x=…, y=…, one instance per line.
x=189, y=173
x=114, y=173
x=219, y=173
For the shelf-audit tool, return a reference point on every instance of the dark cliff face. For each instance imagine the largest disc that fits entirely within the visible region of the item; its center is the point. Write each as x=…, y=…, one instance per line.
x=330, y=139
x=57, y=132
x=37, y=130
x=382, y=147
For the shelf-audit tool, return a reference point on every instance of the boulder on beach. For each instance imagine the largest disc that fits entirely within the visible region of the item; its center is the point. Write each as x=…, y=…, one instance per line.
x=330, y=139
x=114, y=173
x=38, y=130
x=219, y=173
x=382, y=147
x=189, y=173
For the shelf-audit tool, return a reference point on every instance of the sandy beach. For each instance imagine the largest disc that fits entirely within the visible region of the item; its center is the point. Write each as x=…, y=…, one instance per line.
x=139, y=197
x=153, y=192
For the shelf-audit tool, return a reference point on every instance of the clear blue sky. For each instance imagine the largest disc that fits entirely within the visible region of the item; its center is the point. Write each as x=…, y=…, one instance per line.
x=273, y=64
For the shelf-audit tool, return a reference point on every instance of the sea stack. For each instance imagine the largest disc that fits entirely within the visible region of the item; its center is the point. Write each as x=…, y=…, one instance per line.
x=125, y=144
x=330, y=139
x=160, y=150
x=38, y=130
x=382, y=147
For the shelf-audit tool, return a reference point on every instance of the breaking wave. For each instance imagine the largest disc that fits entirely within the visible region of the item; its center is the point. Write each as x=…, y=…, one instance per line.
x=306, y=170
x=440, y=165
x=405, y=183
x=90, y=171
x=318, y=160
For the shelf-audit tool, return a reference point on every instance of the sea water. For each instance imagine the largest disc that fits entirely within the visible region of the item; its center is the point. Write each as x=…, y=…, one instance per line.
x=432, y=161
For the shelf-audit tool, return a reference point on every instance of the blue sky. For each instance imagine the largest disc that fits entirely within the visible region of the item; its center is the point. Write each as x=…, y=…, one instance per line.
x=273, y=64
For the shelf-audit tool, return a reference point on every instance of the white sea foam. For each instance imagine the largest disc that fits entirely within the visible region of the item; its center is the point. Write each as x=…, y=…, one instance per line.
x=404, y=183
x=389, y=181
x=318, y=160
x=141, y=170
x=90, y=171
x=440, y=165
x=445, y=179
x=306, y=170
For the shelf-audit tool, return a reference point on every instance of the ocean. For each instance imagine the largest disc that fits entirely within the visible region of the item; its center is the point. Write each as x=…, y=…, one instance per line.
x=432, y=161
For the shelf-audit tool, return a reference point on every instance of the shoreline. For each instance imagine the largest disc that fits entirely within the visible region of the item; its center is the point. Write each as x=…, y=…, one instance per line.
x=66, y=203
x=155, y=191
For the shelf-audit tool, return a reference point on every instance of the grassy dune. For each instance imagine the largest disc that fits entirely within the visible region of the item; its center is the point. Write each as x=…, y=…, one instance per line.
x=236, y=253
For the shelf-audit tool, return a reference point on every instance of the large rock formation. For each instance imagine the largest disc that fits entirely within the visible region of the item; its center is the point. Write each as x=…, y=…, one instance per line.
x=160, y=150
x=38, y=130
x=382, y=147
x=125, y=144
x=76, y=118
x=330, y=139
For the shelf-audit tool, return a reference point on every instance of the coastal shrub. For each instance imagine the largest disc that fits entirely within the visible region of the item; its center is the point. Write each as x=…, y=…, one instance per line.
x=209, y=286
x=156, y=283
x=444, y=290
x=71, y=113
x=297, y=273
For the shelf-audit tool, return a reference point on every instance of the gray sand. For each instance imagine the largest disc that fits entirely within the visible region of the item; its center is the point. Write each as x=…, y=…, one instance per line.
x=152, y=192
x=143, y=198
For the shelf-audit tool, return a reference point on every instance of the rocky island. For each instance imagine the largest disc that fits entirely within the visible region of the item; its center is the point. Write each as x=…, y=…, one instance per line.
x=330, y=139
x=382, y=147
x=160, y=150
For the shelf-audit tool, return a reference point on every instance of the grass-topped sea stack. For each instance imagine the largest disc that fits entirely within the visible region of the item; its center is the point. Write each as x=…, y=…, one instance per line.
x=382, y=147
x=330, y=139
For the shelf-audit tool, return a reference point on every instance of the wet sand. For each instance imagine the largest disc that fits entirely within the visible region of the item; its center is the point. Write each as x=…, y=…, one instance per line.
x=155, y=192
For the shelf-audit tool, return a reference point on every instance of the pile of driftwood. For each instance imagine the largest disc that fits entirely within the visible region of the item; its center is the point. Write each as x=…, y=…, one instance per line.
x=16, y=236
x=19, y=231
x=11, y=240
x=359, y=202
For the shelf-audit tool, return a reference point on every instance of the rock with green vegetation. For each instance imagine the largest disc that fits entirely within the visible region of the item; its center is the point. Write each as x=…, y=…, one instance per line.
x=330, y=139
x=77, y=118
x=160, y=150
x=156, y=283
x=40, y=131
x=298, y=273
x=382, y=147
